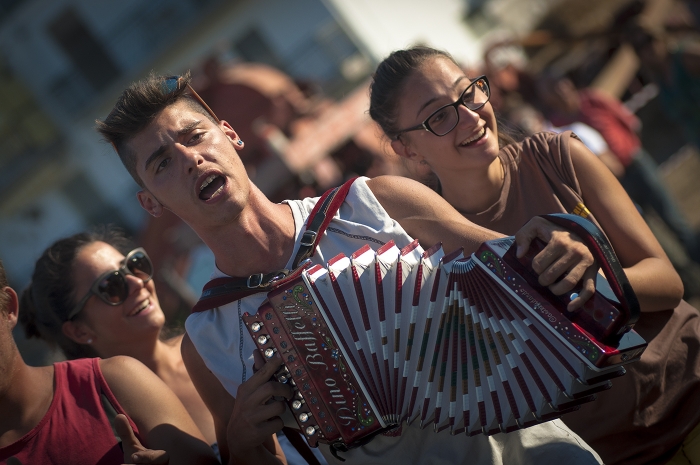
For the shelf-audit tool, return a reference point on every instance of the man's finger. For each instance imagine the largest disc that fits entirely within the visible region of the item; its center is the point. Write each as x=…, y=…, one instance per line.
x=258, y=361
x=130, y=443
x=261, y=376
x=536, y=227
x=270, y=390
x=587, y=291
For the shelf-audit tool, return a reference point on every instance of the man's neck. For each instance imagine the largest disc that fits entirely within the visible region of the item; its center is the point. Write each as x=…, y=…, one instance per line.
x=261, y=240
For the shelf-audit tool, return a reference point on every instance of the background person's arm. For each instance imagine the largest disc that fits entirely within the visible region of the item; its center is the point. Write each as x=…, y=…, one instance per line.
x=162, y=420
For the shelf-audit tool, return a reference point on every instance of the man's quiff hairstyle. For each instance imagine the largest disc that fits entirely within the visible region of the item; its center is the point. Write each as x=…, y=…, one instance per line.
x=136, y=108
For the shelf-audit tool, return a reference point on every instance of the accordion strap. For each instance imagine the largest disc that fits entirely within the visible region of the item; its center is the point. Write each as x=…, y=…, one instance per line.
x=604, y=254
x=221, y=291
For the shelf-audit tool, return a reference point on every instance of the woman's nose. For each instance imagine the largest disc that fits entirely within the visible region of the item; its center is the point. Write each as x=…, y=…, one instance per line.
x=467, y=116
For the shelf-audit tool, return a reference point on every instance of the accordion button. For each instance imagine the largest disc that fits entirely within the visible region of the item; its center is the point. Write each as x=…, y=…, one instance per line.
x=269, y=352
x=282, y=378
x=304, y=417
x=257, y=326
x=262, y=339
x=310, y=430
x=297, y=404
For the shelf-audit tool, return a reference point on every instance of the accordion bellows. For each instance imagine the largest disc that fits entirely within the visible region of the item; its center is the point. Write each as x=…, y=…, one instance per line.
x=466, y=344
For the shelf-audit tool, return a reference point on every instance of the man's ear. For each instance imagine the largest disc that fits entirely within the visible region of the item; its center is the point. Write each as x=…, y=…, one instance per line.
x=78, y=332
x=404, y=150
x=150, y=203
x=231, y=134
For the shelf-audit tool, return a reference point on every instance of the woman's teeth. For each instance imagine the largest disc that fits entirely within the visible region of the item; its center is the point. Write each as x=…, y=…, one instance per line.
x=476, y=137
x=142, y=307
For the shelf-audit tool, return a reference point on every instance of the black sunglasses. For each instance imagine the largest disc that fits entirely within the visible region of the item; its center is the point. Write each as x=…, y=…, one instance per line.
x=445, y=119
x=172, y=83
x=111, y=287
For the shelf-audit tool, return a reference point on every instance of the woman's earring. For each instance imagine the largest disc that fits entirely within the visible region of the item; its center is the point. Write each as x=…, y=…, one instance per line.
x=89, y=341
x=239, y=142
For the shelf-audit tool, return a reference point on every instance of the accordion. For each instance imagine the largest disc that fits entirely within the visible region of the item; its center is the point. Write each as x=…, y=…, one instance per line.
x=473, y=345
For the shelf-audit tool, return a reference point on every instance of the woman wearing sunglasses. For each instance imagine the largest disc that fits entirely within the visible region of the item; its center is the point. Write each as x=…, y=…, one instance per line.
x=437, y=117
x=92, y=295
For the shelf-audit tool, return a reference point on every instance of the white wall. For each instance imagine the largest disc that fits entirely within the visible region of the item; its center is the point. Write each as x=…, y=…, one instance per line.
x=387, y=25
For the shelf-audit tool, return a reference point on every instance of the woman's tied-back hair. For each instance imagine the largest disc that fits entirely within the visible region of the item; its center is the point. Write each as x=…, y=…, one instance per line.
x=387, y=83
x=49, y=298
x=137, y=107
x=387, y=87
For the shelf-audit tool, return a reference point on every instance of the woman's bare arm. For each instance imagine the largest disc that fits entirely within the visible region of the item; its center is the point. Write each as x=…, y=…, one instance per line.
x=160, y=417
x=647, y=267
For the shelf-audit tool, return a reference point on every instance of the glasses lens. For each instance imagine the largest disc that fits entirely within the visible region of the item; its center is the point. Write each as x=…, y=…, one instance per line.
x=171, y=84
x=476, y=95
x=113, y=288
x=140, y=265
x=443, y=120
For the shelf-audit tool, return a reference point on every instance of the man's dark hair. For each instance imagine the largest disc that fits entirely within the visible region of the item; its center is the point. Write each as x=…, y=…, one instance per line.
x=137, y=107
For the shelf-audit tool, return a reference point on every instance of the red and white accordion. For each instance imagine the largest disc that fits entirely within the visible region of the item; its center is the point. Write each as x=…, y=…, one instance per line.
x=460, y=343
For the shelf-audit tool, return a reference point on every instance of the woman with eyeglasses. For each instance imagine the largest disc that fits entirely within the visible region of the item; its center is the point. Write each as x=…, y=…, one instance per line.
x=437, y=117
x=92, y=295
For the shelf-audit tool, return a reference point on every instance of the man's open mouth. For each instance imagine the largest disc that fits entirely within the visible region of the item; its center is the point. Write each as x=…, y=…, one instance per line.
x=211, y=186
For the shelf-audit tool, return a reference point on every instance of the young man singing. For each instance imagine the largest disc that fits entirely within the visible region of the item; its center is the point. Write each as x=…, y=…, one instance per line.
x=186, y=161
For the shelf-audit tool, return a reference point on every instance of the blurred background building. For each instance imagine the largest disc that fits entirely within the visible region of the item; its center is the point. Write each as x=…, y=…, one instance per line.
x=291, y=77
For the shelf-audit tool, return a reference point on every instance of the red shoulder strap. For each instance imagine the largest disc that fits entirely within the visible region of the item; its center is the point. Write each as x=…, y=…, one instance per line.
x=221, y=291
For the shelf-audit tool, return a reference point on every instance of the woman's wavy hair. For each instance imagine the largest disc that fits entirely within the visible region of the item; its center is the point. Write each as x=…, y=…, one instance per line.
x=49, y=298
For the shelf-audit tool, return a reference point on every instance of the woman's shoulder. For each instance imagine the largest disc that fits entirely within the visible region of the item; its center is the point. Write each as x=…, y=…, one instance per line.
x=542, y=145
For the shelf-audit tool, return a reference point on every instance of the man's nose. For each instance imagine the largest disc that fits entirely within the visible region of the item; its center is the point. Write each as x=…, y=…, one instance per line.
x=192, y=158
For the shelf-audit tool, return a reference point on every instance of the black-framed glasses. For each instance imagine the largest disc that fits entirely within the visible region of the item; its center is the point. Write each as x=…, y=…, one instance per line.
x=445, y=119
x=111, y=287
x=172, y=83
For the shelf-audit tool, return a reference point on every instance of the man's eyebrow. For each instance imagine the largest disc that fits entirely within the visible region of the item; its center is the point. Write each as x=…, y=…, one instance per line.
x=159, y=151
x=456, y=83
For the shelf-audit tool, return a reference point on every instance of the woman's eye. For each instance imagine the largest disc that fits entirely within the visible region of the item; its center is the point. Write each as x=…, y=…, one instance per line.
x=469, y=96
x=438, y=117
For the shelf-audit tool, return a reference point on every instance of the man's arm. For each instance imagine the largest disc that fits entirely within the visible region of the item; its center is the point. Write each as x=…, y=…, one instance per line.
x=162, y=420
x=426, y=216
x=246, y=426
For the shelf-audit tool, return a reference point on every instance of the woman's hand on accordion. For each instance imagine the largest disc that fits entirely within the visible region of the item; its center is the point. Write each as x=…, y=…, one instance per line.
x=256, y=413
x=563, y=264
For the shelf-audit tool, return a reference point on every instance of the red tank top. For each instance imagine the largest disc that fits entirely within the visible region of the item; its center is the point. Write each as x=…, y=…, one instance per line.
x=76, y=429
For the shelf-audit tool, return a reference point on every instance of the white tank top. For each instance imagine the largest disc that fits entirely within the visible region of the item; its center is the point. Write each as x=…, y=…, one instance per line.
x=223, y=343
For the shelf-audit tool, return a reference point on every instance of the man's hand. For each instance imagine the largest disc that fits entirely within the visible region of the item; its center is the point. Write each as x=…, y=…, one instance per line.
x=134, y=452
x=564, y=262
x=256, y=413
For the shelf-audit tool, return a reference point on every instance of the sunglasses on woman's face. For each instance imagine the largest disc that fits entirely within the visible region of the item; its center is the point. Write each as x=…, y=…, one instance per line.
x=111, y=287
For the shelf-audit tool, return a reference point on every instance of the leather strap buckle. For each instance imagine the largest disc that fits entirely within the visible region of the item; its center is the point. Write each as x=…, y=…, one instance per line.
x=255, y=280
x=308, y=238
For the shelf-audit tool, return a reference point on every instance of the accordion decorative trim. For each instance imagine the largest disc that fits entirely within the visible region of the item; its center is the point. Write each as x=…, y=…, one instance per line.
x=471, y=345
